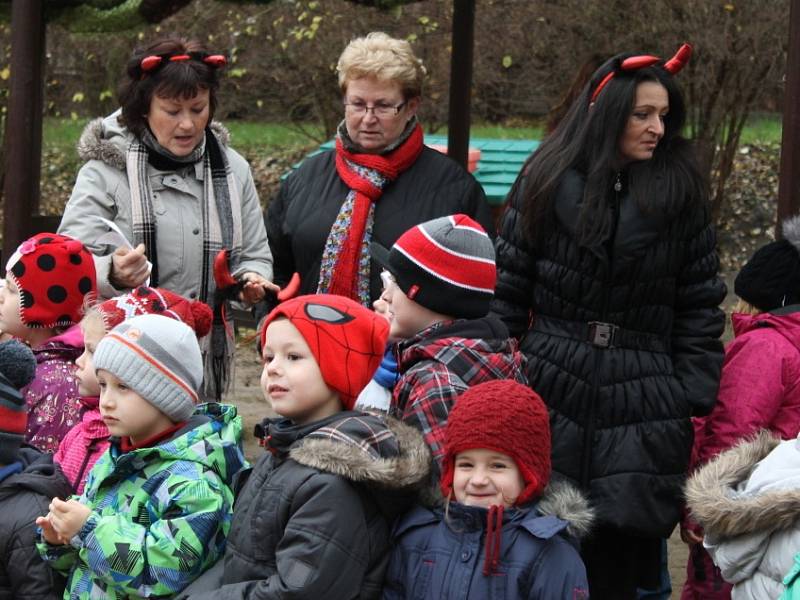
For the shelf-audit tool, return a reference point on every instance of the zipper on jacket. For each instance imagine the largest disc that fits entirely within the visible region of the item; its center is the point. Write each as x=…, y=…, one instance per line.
x=589, y=430
x=90, y=450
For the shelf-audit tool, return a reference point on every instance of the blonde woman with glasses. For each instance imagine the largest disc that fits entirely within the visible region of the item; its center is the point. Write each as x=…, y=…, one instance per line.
x=378, y=182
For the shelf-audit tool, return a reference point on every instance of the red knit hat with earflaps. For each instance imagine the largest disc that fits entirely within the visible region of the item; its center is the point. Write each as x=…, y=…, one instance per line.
x=54, y=274
x=507, y=417
x=346, y=339
x=157, y=301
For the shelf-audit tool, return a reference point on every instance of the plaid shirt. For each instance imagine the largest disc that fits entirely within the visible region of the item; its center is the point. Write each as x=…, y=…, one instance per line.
x=441, y=362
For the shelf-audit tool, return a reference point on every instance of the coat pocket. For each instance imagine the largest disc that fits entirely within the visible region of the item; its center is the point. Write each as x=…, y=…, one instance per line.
x=422, y=581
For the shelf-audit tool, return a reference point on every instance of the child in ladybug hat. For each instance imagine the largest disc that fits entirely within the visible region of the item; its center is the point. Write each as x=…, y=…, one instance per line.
x=48, y=279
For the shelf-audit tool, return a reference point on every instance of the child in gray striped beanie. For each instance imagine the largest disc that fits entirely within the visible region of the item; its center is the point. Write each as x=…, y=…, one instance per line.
x=159, y=359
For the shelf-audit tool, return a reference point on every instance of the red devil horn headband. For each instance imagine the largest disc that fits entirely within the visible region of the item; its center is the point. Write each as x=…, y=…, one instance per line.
x=634, y=63
x=150, y=63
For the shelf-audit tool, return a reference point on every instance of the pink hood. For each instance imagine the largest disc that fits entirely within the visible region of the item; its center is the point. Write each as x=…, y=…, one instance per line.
x=760, y=384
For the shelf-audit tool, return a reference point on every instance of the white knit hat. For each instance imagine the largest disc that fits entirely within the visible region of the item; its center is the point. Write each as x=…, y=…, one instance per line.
x=157, y=357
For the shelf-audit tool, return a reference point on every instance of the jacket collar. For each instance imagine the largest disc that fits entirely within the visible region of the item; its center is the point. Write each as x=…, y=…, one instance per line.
x=104, y=139
x=358, y=446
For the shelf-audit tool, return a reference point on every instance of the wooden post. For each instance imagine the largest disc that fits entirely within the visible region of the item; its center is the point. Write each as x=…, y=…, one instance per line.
x=461, y=80
x=789, y=183
x=23, y=135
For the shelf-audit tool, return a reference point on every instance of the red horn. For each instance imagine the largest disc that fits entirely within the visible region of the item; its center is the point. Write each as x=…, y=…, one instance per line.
x=150, y=62
x=215, y=60
x=677, y=62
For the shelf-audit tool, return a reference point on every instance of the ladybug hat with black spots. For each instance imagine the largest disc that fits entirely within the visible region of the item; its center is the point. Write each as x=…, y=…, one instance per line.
x=54, y=274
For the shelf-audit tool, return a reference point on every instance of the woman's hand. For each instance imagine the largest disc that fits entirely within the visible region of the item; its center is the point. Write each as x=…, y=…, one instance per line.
x=129, y=267
x=255, y=287
x=67, y=517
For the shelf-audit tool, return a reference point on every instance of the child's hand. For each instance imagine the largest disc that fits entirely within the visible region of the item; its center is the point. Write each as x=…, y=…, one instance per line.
x=67, y=517
x=690, y=536
x=48, y=533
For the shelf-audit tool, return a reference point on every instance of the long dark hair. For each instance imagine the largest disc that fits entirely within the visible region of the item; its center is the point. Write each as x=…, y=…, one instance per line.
x=587, y=140
x=182, y=79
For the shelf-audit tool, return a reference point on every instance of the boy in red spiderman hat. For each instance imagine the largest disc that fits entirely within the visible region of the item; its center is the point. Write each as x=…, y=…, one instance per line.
x=503, y=532
x=313, y=518
x=48, y=279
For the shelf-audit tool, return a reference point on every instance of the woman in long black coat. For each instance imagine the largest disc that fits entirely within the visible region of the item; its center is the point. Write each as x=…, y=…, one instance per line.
x=607, y=271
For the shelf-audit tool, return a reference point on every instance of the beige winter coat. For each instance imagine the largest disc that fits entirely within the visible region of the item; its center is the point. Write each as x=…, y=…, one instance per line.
x=102, y=189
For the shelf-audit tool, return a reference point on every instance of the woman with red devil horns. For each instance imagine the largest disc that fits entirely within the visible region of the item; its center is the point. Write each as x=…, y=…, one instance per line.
x=163, y=172
x=607, y=271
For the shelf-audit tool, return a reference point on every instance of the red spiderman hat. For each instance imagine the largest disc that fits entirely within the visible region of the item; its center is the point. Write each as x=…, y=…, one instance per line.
x=54, y=274
x=347, y=340
x=504, y=416
x=156, y=301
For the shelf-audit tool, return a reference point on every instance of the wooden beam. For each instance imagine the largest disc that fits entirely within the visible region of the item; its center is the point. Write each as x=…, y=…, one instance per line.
x=461, y=80
x=23, y=135
x=789, y=183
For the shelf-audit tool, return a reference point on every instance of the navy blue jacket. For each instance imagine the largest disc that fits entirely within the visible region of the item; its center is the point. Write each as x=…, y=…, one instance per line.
x=442, y=559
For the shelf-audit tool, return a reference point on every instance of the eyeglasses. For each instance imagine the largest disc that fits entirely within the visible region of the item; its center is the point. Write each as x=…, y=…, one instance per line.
x=379, y=110
x=387, y=279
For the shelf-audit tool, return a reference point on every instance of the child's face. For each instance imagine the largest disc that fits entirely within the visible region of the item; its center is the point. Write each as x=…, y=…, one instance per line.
x=93, y=331
x=485, y=477
x=10, y=320
x=126, y=413
x=292, y=380
x=406, y=317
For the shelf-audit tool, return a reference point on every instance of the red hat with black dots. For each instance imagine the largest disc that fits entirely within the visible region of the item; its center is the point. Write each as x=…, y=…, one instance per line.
x=54, y=274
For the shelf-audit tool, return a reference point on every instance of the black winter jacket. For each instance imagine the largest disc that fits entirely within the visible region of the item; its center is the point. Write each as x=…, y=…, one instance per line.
x=299, y=219
x=23, y=497
x=620, y=415
x=313, y=518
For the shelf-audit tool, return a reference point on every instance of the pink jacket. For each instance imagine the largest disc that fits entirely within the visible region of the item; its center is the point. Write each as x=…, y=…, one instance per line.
x=52, y=397
x=83, y=445
x=759, y=389
x=760, y=385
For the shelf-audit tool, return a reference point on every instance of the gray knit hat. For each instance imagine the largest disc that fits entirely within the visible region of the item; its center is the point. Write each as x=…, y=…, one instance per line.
x=446, y=265
x=159, y=359
x=17, y=369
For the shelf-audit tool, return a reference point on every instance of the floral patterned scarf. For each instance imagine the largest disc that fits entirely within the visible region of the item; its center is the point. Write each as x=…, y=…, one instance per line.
x=345, y=267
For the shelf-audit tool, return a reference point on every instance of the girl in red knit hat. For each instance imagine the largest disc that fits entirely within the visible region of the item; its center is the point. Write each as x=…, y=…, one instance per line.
x=88, y=440
x=503, y=532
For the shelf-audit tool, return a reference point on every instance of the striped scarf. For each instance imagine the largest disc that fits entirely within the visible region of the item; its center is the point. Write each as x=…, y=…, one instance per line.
x=222, y=228
x=345, y=266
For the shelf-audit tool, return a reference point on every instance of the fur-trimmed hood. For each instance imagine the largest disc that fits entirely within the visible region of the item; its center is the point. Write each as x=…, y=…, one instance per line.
x=366, y=449
x=721, y=503
x=564, y=501
x=104, y=139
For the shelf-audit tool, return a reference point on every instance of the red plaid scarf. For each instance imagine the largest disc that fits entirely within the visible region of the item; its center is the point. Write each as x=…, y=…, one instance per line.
x=344, y=280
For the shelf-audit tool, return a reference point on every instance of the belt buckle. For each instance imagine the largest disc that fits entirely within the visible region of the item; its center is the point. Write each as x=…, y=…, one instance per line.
x=602, y=334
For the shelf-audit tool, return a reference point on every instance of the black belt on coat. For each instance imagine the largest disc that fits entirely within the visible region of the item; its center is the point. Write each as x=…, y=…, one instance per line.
x=600, y=334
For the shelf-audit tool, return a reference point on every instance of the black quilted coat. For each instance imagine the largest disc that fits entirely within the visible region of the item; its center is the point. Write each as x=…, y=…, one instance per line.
x=620, y=391
x=300, y=218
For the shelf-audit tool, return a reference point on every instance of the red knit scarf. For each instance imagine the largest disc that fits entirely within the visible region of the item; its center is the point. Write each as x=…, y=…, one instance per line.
x=344, y=280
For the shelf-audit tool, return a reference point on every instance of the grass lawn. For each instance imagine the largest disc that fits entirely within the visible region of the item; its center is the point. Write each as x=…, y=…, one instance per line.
x=256, y=137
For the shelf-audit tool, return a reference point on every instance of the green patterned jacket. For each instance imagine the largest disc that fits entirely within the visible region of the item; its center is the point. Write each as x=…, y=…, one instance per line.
x=160, y=515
